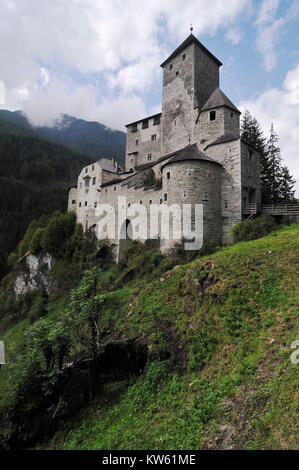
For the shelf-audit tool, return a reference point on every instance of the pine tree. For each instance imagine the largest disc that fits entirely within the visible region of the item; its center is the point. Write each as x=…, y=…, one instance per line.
x=287, y=193
x=275, y=171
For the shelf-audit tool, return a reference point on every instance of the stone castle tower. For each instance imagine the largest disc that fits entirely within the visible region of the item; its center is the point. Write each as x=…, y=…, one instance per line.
x=191, y=151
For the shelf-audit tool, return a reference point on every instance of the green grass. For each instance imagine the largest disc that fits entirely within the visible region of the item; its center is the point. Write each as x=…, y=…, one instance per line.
x=218, y=332
x=245, y=395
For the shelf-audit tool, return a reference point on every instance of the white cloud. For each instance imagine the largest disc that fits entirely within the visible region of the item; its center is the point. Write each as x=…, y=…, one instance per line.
x=268, y=33
x=113, y=45
x=267, y=11
x=234, y=35
x=270, y=28
x=280, y=106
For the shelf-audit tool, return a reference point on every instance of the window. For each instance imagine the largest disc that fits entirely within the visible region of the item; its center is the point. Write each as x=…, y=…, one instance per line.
x=95, y=204
x=154, y=137
x=136, y=142
x=212, y=115
x=140, y=202
x=129, y=204
x=161, y=201
x=80, y=185
x=150, y=201
x=225, y=205
x=105, y=190
x=184, y=194
x=170, y=67
x=134, y=127
x=94, y=180
x=73, y=201
x=85, y=204
x=149, y=157
x=165, y=197
x=92, y=167
x=114, y=188
x=156, y=120
x=177, y=72
x=231, y=115
x=86, y=170
x=80, y=204
x=189, y=172
x=87, y=182
x=184, y=56
x=145, y=124
x=168, y=175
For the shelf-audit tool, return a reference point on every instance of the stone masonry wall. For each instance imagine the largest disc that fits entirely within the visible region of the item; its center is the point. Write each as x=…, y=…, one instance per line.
x=206, y=77
x=251, y=175
x=178, y=115
x=144, y=146
x=229, y=155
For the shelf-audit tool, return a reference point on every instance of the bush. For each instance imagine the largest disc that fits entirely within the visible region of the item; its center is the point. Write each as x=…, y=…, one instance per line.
x=157, y=257
x=38, y=309
x=253, y=229
x=60, y=228
x=12, y=259
x=35, y=243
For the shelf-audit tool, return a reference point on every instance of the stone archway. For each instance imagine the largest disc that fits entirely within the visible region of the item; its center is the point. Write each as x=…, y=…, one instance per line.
x=126, y=234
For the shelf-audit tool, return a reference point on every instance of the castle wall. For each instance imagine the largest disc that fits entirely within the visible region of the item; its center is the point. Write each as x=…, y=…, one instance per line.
x=226, y=121
x=72, y=200
x=206, y=77
x=229, y=155
x=188, y=182
x=146, y=145
x=197, y=182
x=178, y=114
x=250, y=175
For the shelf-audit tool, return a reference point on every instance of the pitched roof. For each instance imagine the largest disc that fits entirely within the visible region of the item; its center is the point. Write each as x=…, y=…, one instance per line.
x=107, y=165
x=190, y=40
x=191, y=152
x=228, y=137
x=140, y=120
x=218, y=98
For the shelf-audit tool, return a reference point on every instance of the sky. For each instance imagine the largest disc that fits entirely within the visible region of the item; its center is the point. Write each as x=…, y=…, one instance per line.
x=100, y=60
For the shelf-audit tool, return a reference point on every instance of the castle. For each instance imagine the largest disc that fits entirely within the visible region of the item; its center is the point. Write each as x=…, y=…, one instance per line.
x=190, y=153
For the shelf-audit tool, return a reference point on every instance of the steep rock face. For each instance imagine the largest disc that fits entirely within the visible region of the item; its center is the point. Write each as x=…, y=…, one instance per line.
x=34, y=274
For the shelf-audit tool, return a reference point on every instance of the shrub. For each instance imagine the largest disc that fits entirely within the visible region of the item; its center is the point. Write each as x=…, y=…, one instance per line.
x=57, y=233
x=38, y=309
x=253, y=229
x=157, y=257
x=12, y=259
x=35, y=243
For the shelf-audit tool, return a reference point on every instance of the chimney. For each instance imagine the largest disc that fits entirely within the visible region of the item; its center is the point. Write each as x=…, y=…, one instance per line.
x=113, y=161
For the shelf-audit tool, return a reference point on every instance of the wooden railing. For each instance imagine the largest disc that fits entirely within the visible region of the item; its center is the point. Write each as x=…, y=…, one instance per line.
x=250, y=208
x=281, y=209
x=272, y=209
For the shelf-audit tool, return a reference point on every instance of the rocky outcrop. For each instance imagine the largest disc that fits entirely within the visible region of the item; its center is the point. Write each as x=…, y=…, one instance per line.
x=34, y=274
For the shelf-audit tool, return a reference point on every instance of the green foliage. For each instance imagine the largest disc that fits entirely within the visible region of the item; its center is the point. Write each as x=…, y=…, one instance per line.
x=253, y=229
x=35, y=245
x=208, y=328
x=12, y=260
x=34, y=180
x=201, y=349
x=56, y=236
x=38, y=308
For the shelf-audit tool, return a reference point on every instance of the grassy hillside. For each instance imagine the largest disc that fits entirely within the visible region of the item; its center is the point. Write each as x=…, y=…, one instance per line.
x=216, y=334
